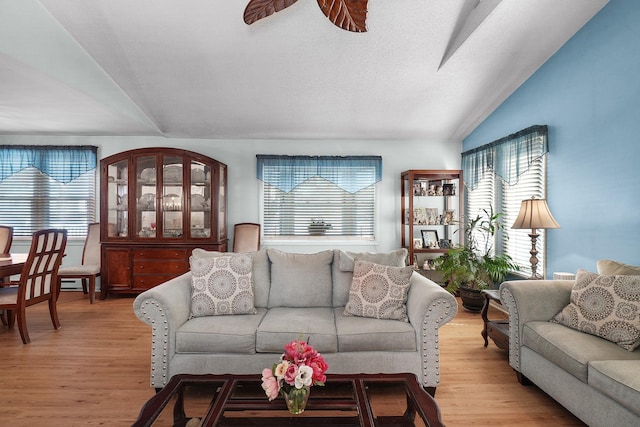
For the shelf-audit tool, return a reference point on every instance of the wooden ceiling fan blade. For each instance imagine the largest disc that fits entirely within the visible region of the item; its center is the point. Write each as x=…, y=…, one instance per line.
x=258, y=9
x=350, y=15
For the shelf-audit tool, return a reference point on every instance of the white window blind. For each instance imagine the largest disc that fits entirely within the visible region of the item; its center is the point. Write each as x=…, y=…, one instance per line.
x=501, y=175
x=517, y=243
x=318, y=206
x=31, y=200
x=478, y=201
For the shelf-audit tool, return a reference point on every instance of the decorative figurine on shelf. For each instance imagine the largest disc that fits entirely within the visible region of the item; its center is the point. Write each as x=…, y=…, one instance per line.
x=439, y=190
x=432, y=190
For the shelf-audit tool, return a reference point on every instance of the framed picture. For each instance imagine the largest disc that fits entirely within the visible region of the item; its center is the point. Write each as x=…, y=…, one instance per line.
x=429, y=238
x=419, y=216
x=431, y=216
x=417, y=243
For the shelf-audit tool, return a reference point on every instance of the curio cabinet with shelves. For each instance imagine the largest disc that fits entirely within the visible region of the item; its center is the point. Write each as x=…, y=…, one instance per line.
x=157, y=205
x=431, y=205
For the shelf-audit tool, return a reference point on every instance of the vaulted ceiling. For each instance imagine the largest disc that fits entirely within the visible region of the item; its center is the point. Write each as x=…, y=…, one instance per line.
x=425, y=69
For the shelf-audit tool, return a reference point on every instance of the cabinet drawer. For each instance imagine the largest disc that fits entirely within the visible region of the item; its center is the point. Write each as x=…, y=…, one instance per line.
x=160, y=267
x=148, y=282
x=160, y=254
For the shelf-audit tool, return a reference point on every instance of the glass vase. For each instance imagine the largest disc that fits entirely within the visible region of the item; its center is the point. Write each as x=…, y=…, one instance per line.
x=296, y=399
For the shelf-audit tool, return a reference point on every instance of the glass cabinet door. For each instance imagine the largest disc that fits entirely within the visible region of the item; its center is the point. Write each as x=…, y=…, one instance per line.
x=222, y=205
x=200, y=198
x=146, y=176
x=117, y=199
x=172, y=194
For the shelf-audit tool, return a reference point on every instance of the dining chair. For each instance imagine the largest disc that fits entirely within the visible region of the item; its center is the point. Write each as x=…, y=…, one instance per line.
x=6, y=238
x=38, y=280
x=246, y=237
x=89, y=268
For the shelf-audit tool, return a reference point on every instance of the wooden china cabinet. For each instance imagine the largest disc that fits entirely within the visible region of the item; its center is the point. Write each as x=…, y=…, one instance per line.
x=156, y=206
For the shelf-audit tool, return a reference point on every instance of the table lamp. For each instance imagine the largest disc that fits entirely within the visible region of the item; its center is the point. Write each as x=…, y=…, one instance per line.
x=534, y=213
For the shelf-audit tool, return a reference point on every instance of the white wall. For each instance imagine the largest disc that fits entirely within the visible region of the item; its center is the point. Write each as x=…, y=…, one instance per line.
x=244, y=188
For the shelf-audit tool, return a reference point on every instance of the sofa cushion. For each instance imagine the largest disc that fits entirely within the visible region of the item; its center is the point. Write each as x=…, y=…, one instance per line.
x=606, y=306
x=610, y=268
x=379, y=291
x=618, y=379
x=570, y=349
x=221, y=285
x=219, y=334
x=365, y=334
x=300, y=280
x=341, y=281
x=261, y=272
x=395, y=258
x=282, y=325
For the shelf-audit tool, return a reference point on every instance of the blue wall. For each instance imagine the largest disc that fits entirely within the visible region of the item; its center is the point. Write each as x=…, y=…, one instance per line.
x=588, y=94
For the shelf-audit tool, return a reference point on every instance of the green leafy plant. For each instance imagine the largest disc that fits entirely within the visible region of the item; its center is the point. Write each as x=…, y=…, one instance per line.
x=474, y=265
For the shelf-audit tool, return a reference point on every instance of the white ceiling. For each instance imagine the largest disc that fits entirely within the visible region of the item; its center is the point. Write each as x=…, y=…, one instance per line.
x=426, y=69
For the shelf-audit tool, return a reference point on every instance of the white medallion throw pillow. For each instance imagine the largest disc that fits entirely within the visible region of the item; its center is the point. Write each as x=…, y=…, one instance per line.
x=221, y=285
x=379, y=291
x=605, y=306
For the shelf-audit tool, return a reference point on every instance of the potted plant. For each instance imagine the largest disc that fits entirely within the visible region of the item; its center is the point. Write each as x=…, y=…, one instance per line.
x=473, y=267
x=318, y=227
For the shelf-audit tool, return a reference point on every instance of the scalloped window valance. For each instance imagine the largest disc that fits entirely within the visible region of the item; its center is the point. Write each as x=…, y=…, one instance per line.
x=507, y=157
x=350, y=173
x=62, y=163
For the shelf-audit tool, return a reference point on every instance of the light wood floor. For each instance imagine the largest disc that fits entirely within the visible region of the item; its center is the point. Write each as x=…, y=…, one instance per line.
x=94, y=371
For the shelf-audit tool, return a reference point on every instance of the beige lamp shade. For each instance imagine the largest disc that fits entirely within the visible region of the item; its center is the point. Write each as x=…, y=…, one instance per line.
x=534, y=213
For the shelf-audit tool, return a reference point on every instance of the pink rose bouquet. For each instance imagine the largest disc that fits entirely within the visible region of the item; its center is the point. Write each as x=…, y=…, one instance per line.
x=300, y=367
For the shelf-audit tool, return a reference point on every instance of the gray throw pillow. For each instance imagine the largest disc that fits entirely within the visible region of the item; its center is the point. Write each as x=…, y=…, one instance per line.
x=605, y=306
x=221, y=285
x=395, y=258
x=300, y=280
x=379, y=291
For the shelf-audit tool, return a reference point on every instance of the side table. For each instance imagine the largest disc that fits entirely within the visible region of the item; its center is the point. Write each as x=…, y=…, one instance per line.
x=497, y=330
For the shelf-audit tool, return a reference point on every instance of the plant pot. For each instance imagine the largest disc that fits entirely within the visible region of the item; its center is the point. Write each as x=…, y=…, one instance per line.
x=472, y=299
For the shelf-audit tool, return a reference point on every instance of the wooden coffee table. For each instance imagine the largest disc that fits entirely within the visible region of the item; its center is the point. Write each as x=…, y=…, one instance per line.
x=238, y=400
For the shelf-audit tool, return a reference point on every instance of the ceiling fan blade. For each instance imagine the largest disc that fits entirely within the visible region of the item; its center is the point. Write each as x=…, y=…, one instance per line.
x=258, y=9
x=350, y=15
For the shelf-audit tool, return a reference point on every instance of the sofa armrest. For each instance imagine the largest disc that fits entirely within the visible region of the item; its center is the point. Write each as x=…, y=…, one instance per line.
x=165, y=308
x=531, y=300
x=429, y=307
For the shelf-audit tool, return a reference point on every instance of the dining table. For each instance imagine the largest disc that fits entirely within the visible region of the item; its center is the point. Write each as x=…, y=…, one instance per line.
x=11, y=264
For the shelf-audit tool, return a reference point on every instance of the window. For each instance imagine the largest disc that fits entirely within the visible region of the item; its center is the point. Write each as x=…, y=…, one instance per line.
x=309, y=196
x=47, y=187
x=500, y=175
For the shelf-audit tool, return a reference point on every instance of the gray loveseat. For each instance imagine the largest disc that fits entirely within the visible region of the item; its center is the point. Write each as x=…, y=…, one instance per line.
x=297, y=296
x=597, y=380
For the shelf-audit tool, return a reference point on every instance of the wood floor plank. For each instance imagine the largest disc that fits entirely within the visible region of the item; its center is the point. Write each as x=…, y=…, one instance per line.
x=94, y=371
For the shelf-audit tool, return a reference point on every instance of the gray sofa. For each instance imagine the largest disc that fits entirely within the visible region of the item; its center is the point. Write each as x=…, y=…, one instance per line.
x=296, y=298
x=595, y=379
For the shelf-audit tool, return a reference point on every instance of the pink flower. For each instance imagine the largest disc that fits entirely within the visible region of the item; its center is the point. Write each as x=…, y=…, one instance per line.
x=291, y=374
x=270, y=384
x=319, y=367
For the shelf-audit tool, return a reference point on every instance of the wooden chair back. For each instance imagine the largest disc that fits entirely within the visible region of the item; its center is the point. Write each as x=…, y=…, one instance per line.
x=6, y=238
x=91, y=250
x=39, y=276
x=246, y=237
